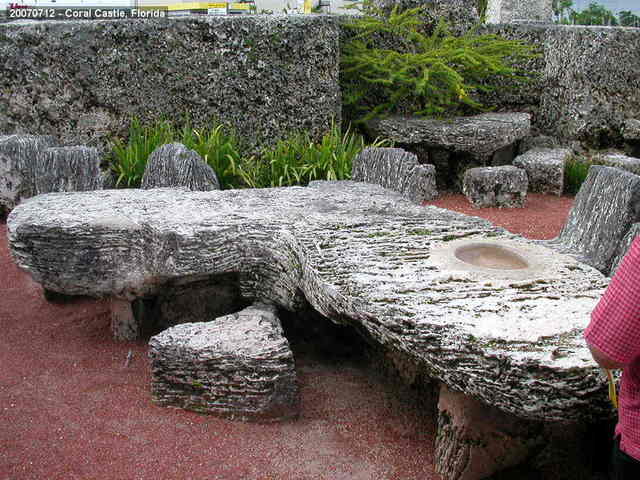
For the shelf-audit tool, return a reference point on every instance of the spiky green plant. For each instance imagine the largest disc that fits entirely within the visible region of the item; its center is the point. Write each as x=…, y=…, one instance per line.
x=389, y=64
x=220, y=148
x=128, y=160
x=298, y=160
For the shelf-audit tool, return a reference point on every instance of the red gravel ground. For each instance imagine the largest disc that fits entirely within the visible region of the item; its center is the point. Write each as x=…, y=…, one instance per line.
x=70, y=409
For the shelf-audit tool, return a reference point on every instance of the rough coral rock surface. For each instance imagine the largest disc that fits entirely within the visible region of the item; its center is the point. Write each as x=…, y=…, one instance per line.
x=29, y=167
x=174, y=165
x=397, y=170
x=545, y=169
x=618, y=160
x=19, y=156
x=595, y=228
x=479, y=135
x=508, y=11
x=580, y=90
x=238, y=366
x=358, y=254
x=265, y=75
x=503, y=186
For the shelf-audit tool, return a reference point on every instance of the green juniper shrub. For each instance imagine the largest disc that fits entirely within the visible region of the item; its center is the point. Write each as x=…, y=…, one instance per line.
x=389, y=65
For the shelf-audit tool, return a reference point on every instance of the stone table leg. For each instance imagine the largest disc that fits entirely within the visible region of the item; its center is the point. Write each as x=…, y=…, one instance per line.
x=124, y=326
x=475, y=441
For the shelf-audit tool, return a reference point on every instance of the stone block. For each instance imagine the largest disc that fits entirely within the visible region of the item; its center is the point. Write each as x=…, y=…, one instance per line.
x=545, y=169
x=595, y=228
x=475, y=441
x=397, y=170
x=174, y=165
x=264, y=88
x=504, y=186
x=533, y=142
x=479, y=135
x=566, y=102
x=631, y=130
x=618, y=160
x=238, y=366
x=19, y=156
x=516, y=11
x=69, y=169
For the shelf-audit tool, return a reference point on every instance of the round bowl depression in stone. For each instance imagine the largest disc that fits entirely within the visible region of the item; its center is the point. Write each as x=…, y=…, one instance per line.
x=490, y=255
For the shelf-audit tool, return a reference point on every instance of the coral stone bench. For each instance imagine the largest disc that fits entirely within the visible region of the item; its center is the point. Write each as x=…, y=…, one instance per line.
x=504, y=186
x=544, y=168
x=457, y=144
x=238, y=366
x=492, y=317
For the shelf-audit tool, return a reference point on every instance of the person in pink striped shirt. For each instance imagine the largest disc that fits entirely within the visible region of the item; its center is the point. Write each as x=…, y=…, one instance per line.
x=613, y=336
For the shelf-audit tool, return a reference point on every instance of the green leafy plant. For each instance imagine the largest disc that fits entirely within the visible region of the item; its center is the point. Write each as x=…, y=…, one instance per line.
x=129, y=159
x=217, y=145
x=389, y=64
x=482, y=8
x=576, y=170
x=220, y=148
x=298, y=160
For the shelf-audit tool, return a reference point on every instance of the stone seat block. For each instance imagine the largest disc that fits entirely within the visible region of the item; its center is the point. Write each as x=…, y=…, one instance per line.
x=545, y=169
x=623, y=162
x=174, y=165
x=398, y=170
x=238, y=366
x=504, y=186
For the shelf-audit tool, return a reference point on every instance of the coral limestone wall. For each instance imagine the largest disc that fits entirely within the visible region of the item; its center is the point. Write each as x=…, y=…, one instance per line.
x=84, y=80
x=587, y=83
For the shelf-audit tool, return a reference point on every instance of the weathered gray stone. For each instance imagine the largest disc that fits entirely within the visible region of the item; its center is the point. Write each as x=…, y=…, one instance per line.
x=606, y=206
x=480, y=135
x=174, y=165
x=624, y=246
x=358, y=254
x=397, y=170
x=474, y=440
x=515, y=11
x=545, y=169
x=631, y=129
x=504, y=186
x=238, y=366
x=242, y=70
x=533, y=142
x=68, y=169
x=618, y=160
x=19, y=156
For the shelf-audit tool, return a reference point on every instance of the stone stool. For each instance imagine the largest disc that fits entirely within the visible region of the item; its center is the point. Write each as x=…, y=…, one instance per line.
x=238, y=366
x=545, y=169
x=504, y=186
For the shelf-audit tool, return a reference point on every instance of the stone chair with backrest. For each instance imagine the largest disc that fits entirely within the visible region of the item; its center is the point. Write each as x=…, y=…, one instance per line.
x=605, y=212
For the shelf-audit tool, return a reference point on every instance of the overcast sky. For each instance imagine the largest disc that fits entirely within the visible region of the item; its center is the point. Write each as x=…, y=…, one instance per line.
x=614, y=5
